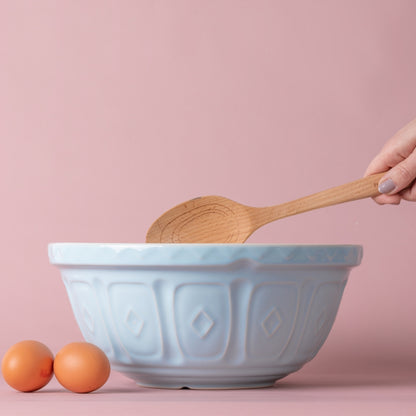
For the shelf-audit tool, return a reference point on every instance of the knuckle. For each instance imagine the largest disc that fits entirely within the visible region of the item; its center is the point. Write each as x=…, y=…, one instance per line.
x=404, y=173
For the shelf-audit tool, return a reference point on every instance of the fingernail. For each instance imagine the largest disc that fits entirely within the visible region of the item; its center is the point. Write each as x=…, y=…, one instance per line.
x=386, y=186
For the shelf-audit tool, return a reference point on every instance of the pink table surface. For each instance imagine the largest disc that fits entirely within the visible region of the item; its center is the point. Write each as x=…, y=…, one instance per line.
x=374, y=392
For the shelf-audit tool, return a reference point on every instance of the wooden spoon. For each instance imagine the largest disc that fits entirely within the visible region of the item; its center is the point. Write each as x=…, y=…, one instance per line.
x=215, y=219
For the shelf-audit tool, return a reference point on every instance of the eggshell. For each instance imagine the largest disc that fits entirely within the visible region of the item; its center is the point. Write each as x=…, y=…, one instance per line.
x=27, y=366
x=81, y=367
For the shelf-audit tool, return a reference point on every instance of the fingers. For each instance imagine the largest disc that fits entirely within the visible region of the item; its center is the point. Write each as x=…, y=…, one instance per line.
x=381, y=163
x=399, y=177
x=388, y=199
x=395, y=150
x=408, y=194
x=398, y=157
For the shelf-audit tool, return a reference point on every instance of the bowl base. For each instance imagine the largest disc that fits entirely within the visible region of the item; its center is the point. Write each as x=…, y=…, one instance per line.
x=204, y=383
x=208, y=386
x=204, y=378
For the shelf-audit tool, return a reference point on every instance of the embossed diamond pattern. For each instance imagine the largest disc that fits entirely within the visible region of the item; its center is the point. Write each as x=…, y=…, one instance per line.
x=202, y=324
x=134, y=323
x=271, y=323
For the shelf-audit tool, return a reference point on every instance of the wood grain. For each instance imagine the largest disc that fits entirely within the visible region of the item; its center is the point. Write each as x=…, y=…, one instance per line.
x=215, y=219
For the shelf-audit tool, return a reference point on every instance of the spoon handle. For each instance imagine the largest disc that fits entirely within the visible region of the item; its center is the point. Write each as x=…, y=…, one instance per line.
x=359, y=189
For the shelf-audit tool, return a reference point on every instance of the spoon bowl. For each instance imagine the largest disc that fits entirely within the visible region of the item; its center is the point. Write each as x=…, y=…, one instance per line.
x=209, y=219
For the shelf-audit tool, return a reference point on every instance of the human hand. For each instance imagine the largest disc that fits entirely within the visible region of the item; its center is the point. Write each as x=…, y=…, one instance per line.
x=398, y=155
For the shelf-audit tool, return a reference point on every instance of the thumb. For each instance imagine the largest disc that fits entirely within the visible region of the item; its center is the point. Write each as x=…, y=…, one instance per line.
x=399, y=177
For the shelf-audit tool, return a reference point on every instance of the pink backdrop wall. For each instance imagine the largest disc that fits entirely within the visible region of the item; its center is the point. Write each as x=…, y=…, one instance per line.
x=113, y=111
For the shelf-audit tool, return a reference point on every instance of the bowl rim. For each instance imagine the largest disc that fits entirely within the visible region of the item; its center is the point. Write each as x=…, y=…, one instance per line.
x=155, y=254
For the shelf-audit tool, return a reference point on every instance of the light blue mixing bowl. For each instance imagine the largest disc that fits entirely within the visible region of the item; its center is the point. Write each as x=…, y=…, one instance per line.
x=205, y=315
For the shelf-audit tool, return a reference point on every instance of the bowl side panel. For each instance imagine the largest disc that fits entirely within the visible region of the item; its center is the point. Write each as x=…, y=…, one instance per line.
x=85, y=306
x=319, y=317
x=135, y=319
x=271, y=318
x=202, y=319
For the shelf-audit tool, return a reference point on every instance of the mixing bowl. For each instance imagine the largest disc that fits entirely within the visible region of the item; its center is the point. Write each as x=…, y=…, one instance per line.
x=205, y=315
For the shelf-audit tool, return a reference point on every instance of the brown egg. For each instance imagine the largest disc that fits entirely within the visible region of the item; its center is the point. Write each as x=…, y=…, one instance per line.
x=27, y=366
x=81, y=367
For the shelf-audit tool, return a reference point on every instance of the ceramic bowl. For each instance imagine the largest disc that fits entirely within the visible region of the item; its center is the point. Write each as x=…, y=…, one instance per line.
x=205, y=315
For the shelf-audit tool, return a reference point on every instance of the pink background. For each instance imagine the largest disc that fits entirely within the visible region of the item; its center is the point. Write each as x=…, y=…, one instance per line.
x=112, y=112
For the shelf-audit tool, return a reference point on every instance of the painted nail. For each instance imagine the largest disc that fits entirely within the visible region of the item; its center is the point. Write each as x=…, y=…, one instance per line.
x=386, y=186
